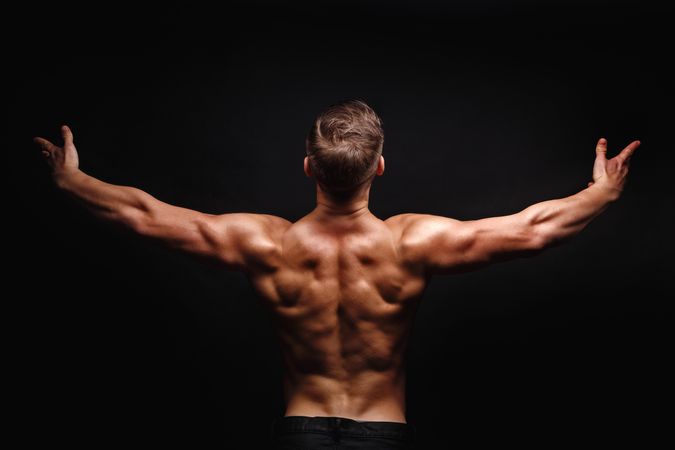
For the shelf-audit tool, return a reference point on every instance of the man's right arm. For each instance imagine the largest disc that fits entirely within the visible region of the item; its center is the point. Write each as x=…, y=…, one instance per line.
x=444, y=245
x=239, y=241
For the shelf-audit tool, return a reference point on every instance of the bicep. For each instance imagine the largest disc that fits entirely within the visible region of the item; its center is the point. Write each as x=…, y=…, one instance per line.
x=445, y=245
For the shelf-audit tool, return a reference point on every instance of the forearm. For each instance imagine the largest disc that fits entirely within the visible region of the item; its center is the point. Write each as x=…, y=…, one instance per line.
x=556, y=220
x=120, y=204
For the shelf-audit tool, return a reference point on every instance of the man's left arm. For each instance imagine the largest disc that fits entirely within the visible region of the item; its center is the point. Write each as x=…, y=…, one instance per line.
x=240, y=241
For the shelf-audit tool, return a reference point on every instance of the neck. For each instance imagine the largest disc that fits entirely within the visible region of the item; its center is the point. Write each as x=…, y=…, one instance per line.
x=349, y=205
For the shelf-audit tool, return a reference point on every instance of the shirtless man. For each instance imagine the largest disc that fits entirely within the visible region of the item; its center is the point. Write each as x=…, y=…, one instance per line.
x=343, y=285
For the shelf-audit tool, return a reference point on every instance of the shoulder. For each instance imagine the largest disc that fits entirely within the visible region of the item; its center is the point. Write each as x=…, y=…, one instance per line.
x=247, y=223
x=249, y=240
x=412, y=226
x=420, y=236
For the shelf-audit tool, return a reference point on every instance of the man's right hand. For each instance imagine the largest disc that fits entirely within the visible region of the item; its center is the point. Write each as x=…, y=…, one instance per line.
x=62, y=160
x=612, y=173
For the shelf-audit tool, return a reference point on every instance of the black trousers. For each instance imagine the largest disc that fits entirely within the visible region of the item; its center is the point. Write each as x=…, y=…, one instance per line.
x=339, y=433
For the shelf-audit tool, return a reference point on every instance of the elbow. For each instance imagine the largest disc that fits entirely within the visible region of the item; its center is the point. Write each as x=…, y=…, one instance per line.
x=538, y=243
x=543, y=236
x=539, y=231
x=135, y=220
x=139, y=215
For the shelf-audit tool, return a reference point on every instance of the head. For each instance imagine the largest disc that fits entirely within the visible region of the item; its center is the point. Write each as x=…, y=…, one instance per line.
x=344, y=148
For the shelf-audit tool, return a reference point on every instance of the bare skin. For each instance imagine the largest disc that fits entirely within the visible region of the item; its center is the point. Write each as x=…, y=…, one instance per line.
x=343, y=285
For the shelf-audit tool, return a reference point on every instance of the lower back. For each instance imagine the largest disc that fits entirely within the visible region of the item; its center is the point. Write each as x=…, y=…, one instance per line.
x=368, y=396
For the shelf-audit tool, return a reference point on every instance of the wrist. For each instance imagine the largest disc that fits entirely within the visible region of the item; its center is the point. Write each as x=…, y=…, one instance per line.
x=62, y=177
x=609, y=191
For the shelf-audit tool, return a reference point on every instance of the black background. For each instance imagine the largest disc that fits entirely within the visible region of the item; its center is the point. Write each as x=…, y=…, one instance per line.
x=488, y=107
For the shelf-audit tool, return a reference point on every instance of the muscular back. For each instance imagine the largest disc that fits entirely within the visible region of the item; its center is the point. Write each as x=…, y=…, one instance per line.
x=343, y=301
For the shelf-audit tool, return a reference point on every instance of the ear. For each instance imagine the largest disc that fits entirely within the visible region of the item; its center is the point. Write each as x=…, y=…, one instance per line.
x=380, y=166
x=307, y=168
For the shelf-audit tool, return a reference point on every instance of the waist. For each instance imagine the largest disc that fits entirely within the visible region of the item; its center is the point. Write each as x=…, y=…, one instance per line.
x=345, y=426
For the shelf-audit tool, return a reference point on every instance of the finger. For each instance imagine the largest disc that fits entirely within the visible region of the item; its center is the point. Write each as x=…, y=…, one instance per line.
x=627, y=152
x=67, y=135
x=601, y=148
x=590, y=183
x=44, y=144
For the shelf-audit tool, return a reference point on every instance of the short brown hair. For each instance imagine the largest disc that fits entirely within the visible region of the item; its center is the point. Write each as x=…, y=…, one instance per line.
x=344, y=145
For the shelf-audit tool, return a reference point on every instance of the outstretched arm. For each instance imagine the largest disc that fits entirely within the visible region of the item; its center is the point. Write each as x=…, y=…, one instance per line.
x=443, y=245
x=239, y=240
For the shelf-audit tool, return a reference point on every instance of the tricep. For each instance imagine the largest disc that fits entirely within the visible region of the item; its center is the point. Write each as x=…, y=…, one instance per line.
x=445, y=245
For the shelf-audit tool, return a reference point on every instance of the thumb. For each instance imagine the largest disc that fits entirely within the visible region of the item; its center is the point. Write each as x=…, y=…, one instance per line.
x=67, y=135
x=601, y=149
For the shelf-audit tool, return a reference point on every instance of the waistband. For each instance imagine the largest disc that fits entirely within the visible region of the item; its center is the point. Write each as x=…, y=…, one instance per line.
x=343, y=426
